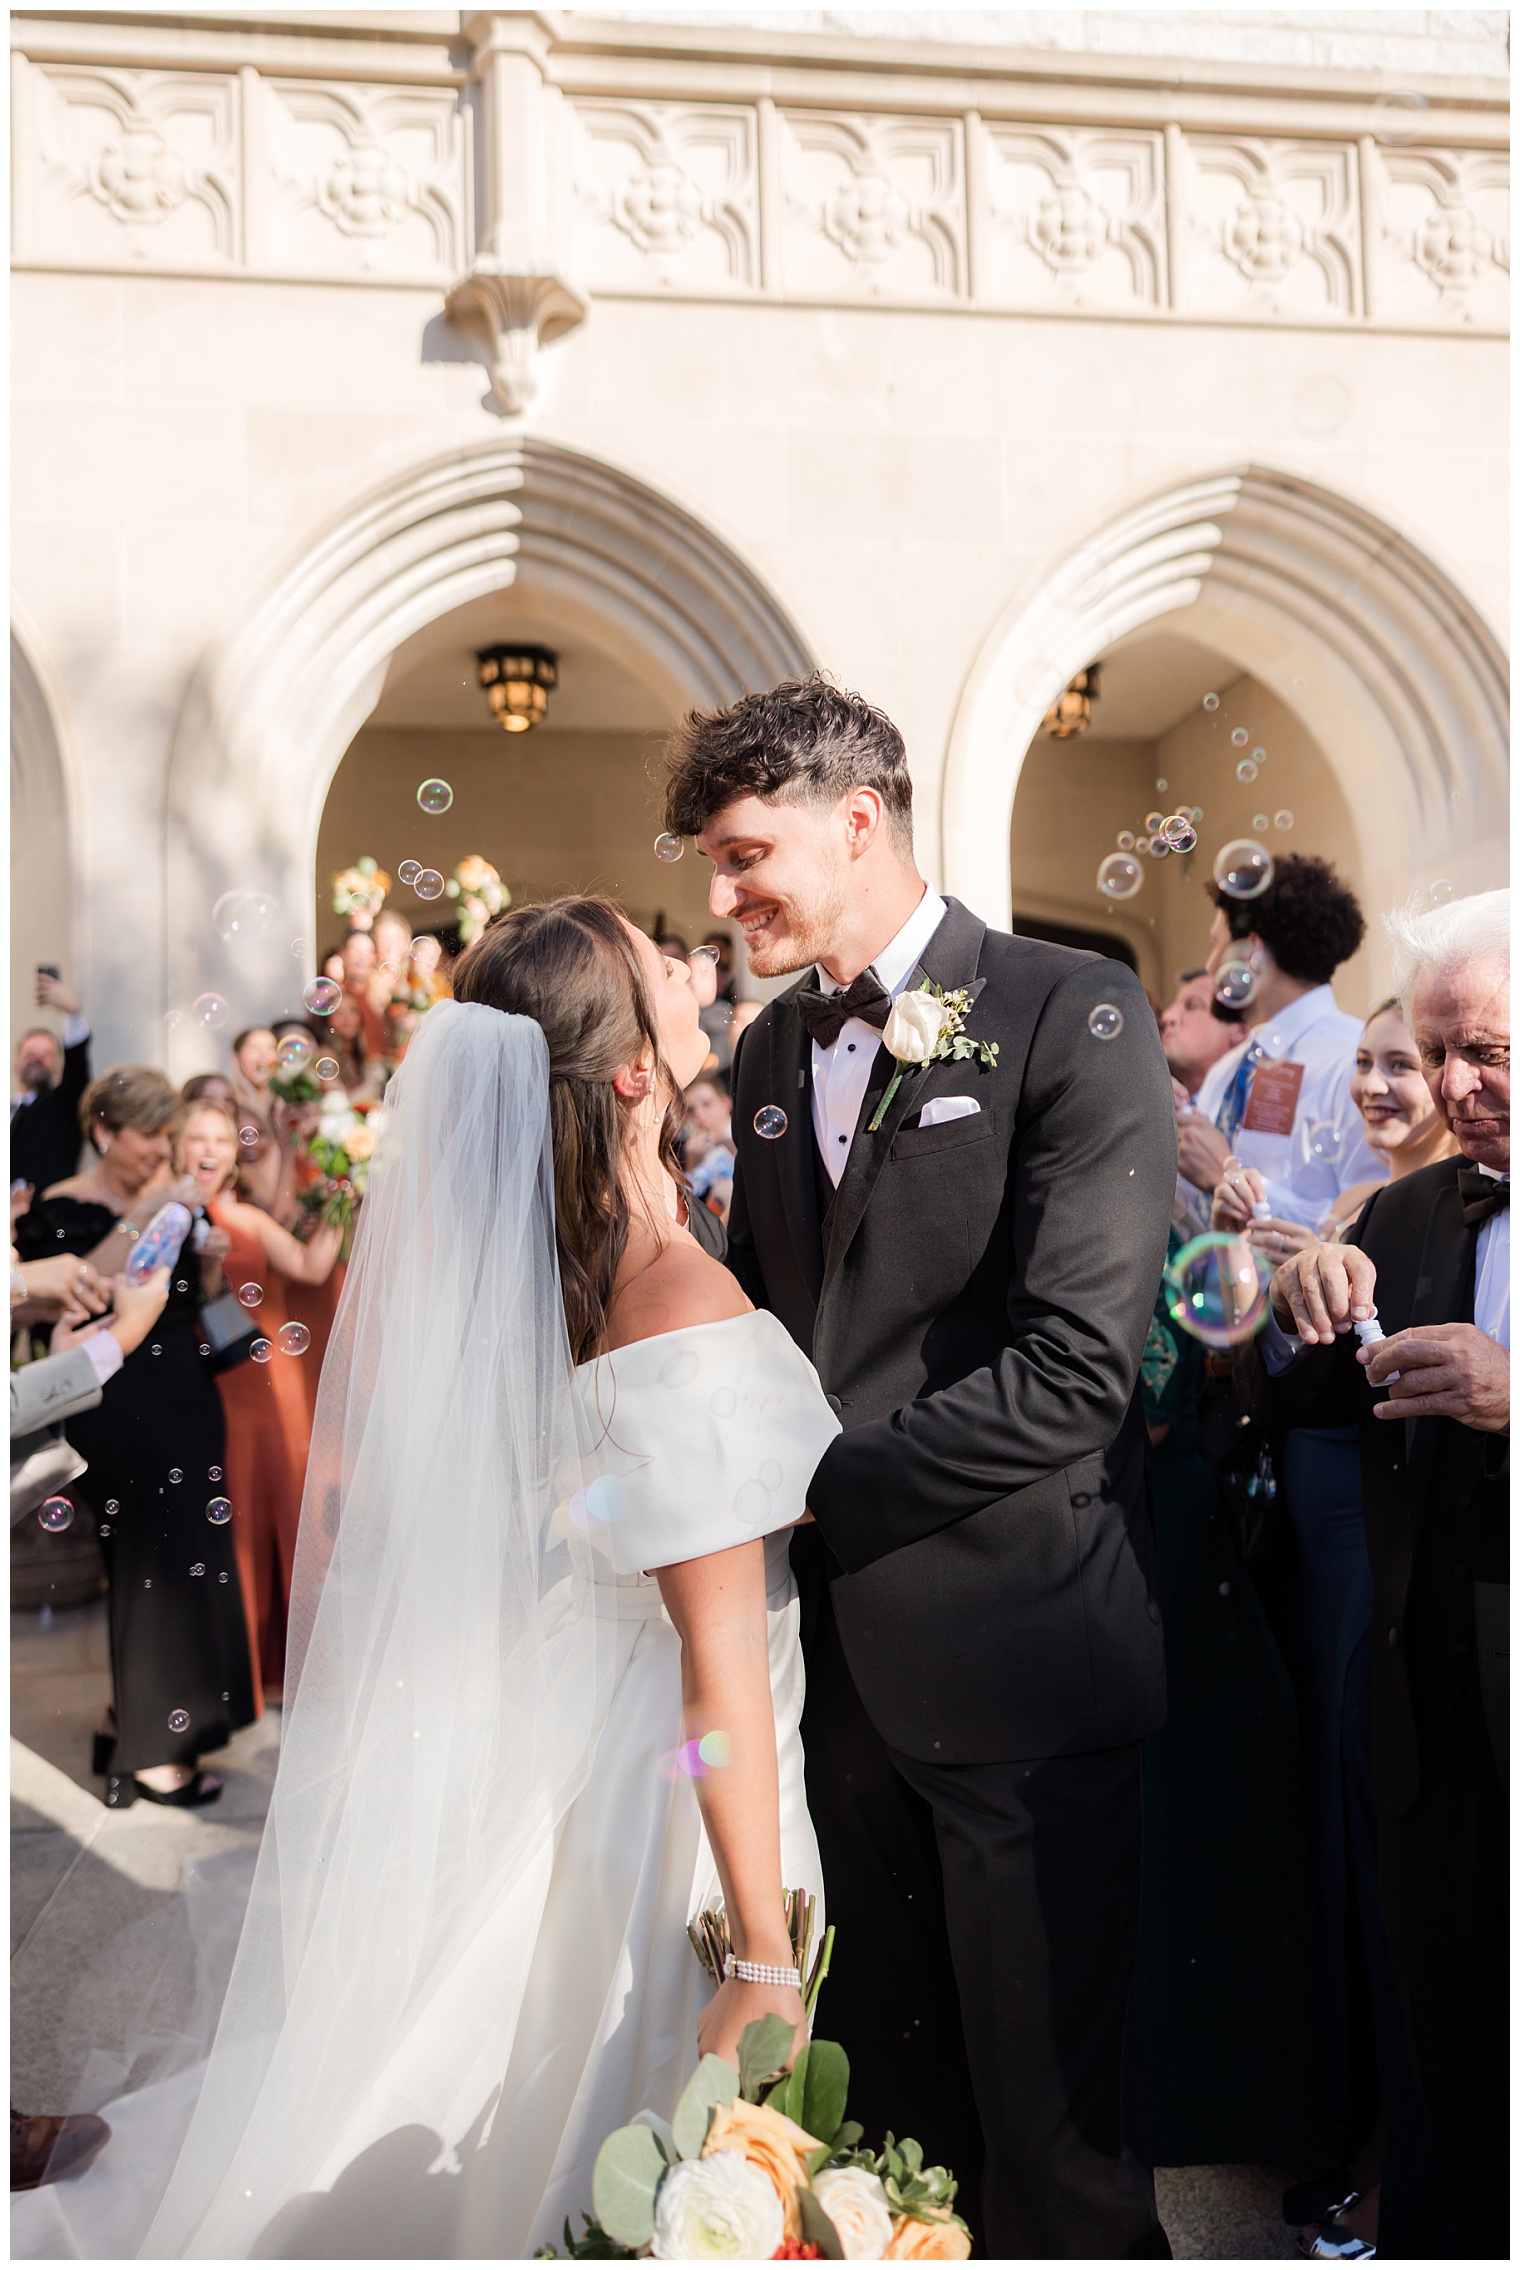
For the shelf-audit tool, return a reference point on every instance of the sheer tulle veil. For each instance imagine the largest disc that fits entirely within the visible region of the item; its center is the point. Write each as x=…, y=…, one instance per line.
x=449, y=1669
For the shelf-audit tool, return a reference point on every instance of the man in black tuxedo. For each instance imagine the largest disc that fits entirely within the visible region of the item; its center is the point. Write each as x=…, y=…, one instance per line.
x=1429, y=1257
x=970, y=1260
x=51, y=1076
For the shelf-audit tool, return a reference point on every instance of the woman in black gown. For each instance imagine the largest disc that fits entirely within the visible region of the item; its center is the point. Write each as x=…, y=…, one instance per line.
x=179, y=1647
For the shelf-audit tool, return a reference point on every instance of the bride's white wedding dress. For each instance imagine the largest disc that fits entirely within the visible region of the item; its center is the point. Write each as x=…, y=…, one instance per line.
x=466, y=1960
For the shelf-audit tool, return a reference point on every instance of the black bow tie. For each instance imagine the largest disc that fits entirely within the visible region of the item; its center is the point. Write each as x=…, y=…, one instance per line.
x=825, y=1015
x=1481, y=1196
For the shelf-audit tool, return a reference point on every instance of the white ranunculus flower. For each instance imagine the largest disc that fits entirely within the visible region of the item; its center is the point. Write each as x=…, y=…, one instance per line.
x=717, y=2210
x=856, y=2205
x=913, y=1029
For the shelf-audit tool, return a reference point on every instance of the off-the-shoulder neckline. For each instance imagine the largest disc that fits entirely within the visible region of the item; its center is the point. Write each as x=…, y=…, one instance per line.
x=681, y=1332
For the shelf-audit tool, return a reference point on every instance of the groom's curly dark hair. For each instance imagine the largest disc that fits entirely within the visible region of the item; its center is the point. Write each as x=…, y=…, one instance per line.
x=806, y=741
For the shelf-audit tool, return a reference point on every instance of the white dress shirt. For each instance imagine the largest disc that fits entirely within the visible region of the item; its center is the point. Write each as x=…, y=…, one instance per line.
x=1313, y=1032
x=842, y=1071
x=1490, y=1292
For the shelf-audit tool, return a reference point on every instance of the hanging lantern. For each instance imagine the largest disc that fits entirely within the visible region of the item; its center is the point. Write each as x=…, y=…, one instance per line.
x=1071, y=711
x=518, y=681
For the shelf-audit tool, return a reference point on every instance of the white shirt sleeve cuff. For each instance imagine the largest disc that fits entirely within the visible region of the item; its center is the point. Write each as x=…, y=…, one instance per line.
x=104, y=1352
x=76, y=1027
x=1278, y=1348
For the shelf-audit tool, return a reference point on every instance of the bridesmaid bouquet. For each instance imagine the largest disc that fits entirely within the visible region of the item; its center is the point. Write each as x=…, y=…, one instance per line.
x=333, y=1160
x=761, y=2165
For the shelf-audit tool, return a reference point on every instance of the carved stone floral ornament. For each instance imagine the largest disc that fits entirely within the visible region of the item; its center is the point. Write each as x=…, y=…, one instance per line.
x=365, y=191
x=659, y=209
x=1264, y=237
x=868, y=219
x=139, y=178
x=1069, y=229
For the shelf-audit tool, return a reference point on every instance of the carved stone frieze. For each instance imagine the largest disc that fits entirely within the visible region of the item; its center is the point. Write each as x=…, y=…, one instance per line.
x=1446, y=234
x=873, y=207
x=667, y=195
x=137, y=168
x=1273, y=228
x=364, y=180
x=1076, y=219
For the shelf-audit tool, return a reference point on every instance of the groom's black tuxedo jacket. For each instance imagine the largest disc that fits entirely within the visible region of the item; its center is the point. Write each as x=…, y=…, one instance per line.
x=976, y=1304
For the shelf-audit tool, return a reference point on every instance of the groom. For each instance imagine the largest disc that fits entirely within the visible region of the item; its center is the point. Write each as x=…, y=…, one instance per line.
x=971, y=1269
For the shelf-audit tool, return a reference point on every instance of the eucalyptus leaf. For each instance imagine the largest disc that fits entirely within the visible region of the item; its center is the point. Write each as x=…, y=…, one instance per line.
x=764, y=2047
x=714, y=2082
x=846, y=2136
x=817, y=2230
x=627, y=2176
x=825, y=2089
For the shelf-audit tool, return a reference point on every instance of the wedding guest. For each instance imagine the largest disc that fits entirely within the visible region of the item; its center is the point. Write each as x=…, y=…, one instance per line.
x=259, y=1154
x=745, y=1013
x=253, y=1055
x=723, y=946
x=180, y=1673
x=361, y=964
x=1196, y=1030
x=1280, y=1101
x=52, y=1073
x=1226, y=1981
x=710, y=1113
x=265, y=1403
x=426, y=977
x=1429, y=1257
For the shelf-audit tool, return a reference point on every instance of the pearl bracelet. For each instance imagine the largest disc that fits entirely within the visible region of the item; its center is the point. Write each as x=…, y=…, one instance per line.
x=761, y=1974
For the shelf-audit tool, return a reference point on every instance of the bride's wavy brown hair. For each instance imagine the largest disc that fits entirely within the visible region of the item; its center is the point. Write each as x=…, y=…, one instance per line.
x=570, y=966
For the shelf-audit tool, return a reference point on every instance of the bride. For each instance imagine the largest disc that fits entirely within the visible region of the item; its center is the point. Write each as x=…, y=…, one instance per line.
x=542, y=1595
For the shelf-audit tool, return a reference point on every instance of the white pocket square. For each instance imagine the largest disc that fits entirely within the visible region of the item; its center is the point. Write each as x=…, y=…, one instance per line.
x=941, y=1108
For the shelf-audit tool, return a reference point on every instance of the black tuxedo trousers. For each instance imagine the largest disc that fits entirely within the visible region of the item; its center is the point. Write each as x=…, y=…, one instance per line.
x=983, y=1650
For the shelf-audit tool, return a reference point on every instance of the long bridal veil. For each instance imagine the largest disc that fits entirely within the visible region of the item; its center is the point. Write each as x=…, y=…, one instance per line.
x=448, y=1681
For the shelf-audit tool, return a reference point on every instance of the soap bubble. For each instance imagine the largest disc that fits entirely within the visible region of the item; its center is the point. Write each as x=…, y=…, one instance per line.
x=1283, y=820
x=1321, y=405
x=240, y=915
x=1195, y=813
x=176, y=1473
x=213, y=1473
x=435, y=796
x=429, y=884
x=179, y=1722
x=250, y=1295
x=1211, y=701
x=669, y=848
x=1246, y=770
x=408, y=871
x=1215, y=1291
x=326, y=1067
x=1153, y=821
x=1240, y=736
x=209, y=1011
x=173, y=1019
x=1441, y=891
x=771, y=1475
x=322, y=996
x=295, y=1052
x=113, y=1505
x=56, y=1514
x=298, y=947
x=1158, y=847
x=679, y=1370
x=1179, y=831
x=1399, y=116
x=197, y=1568
x=1259, y=822
x=1321, y=1142
x=249, y=1138
x=770, y=1121
x=1258, y=756
x=1105, y=1022
x=1161, y=787
x=261, y=1351
x=1125, y=839
x=715, y=1749
x=219, y=1511
x=1120, y=876
x=1243, y=870
x=1234, y=984
x=294, y=1339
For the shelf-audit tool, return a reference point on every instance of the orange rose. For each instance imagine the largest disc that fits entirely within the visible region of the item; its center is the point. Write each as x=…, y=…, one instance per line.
x=770, y=2142
x=913, y=2241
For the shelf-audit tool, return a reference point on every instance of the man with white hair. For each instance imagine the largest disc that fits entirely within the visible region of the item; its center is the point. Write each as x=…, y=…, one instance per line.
x=1403, y=1332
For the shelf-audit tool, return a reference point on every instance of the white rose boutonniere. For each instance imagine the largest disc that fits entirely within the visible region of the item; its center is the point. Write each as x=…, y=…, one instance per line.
x=926, y=1027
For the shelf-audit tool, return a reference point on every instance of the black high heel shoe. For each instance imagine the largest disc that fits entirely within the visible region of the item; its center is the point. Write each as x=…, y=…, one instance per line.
x=102, y=1750
x=123, y=1789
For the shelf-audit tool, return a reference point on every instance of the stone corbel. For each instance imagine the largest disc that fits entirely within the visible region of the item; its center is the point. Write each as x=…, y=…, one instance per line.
x=514, y=316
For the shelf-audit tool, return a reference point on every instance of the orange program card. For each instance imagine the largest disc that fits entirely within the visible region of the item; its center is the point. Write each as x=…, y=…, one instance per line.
x=1273, y=1099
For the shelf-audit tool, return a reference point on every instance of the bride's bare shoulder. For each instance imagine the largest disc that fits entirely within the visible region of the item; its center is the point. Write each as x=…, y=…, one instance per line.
x=684, y=1286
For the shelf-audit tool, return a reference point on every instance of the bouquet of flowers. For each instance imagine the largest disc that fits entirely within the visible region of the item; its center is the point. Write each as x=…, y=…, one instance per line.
x=360, y=889
x=334, y=1159
x=760, y=2164
x=480, y=892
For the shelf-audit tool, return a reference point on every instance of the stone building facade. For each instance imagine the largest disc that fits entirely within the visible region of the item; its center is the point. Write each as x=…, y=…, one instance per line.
x=949, y=353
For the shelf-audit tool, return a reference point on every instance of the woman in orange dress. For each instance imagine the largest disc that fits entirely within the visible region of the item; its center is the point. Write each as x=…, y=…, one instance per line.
x=265, y=1401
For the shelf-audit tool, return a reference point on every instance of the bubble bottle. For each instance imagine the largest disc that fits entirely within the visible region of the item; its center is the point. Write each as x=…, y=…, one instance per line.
x=157, y=1246
x=1369, y=1332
